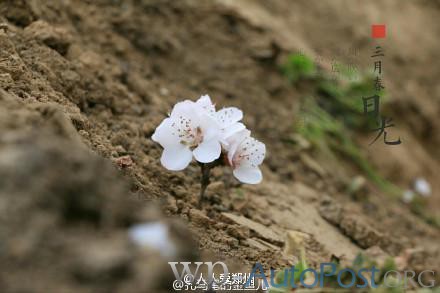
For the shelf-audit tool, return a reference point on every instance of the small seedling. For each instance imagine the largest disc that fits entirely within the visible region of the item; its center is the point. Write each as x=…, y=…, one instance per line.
x=298, y=66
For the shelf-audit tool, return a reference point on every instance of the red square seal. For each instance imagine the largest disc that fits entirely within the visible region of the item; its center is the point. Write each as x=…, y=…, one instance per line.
x=378, y=31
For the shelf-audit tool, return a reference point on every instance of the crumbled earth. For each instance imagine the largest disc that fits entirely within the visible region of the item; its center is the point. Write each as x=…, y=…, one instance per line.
x=85, y=83
x=65, y=212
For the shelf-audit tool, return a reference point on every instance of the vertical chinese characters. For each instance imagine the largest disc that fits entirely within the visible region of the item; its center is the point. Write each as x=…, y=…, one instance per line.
x=372, y=104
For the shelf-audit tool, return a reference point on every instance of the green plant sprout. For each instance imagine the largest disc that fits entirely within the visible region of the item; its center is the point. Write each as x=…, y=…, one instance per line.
x=298, y=66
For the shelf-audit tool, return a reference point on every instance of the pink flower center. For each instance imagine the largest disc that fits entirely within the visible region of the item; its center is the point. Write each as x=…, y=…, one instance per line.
x=187, y=133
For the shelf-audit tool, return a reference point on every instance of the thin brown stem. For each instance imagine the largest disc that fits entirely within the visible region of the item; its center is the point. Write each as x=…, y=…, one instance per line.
x=204, y=182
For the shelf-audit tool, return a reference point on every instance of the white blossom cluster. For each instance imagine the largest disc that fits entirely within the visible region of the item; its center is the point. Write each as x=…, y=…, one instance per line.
x=197, y=129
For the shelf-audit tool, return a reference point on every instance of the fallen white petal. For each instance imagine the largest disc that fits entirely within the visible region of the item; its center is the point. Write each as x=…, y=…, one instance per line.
x=422, y=187
x=154, y=235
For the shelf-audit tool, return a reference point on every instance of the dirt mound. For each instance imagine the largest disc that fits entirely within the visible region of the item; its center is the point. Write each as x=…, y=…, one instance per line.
x=66, y=211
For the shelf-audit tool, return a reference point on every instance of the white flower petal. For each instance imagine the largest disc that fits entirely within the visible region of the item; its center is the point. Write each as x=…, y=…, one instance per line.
x=234, y=142
x=176, y=158
x=164, y=134
x=228, y=116
x=209, y=127
x=248, y=174
x=257, y=152
x=208, y=151
x=188, y=110
x=233, y=129
x=250, y=152
x=183, y=107
x=205, y=103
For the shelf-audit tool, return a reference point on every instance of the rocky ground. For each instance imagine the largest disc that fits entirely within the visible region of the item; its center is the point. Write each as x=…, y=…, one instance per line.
x=85, y=83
